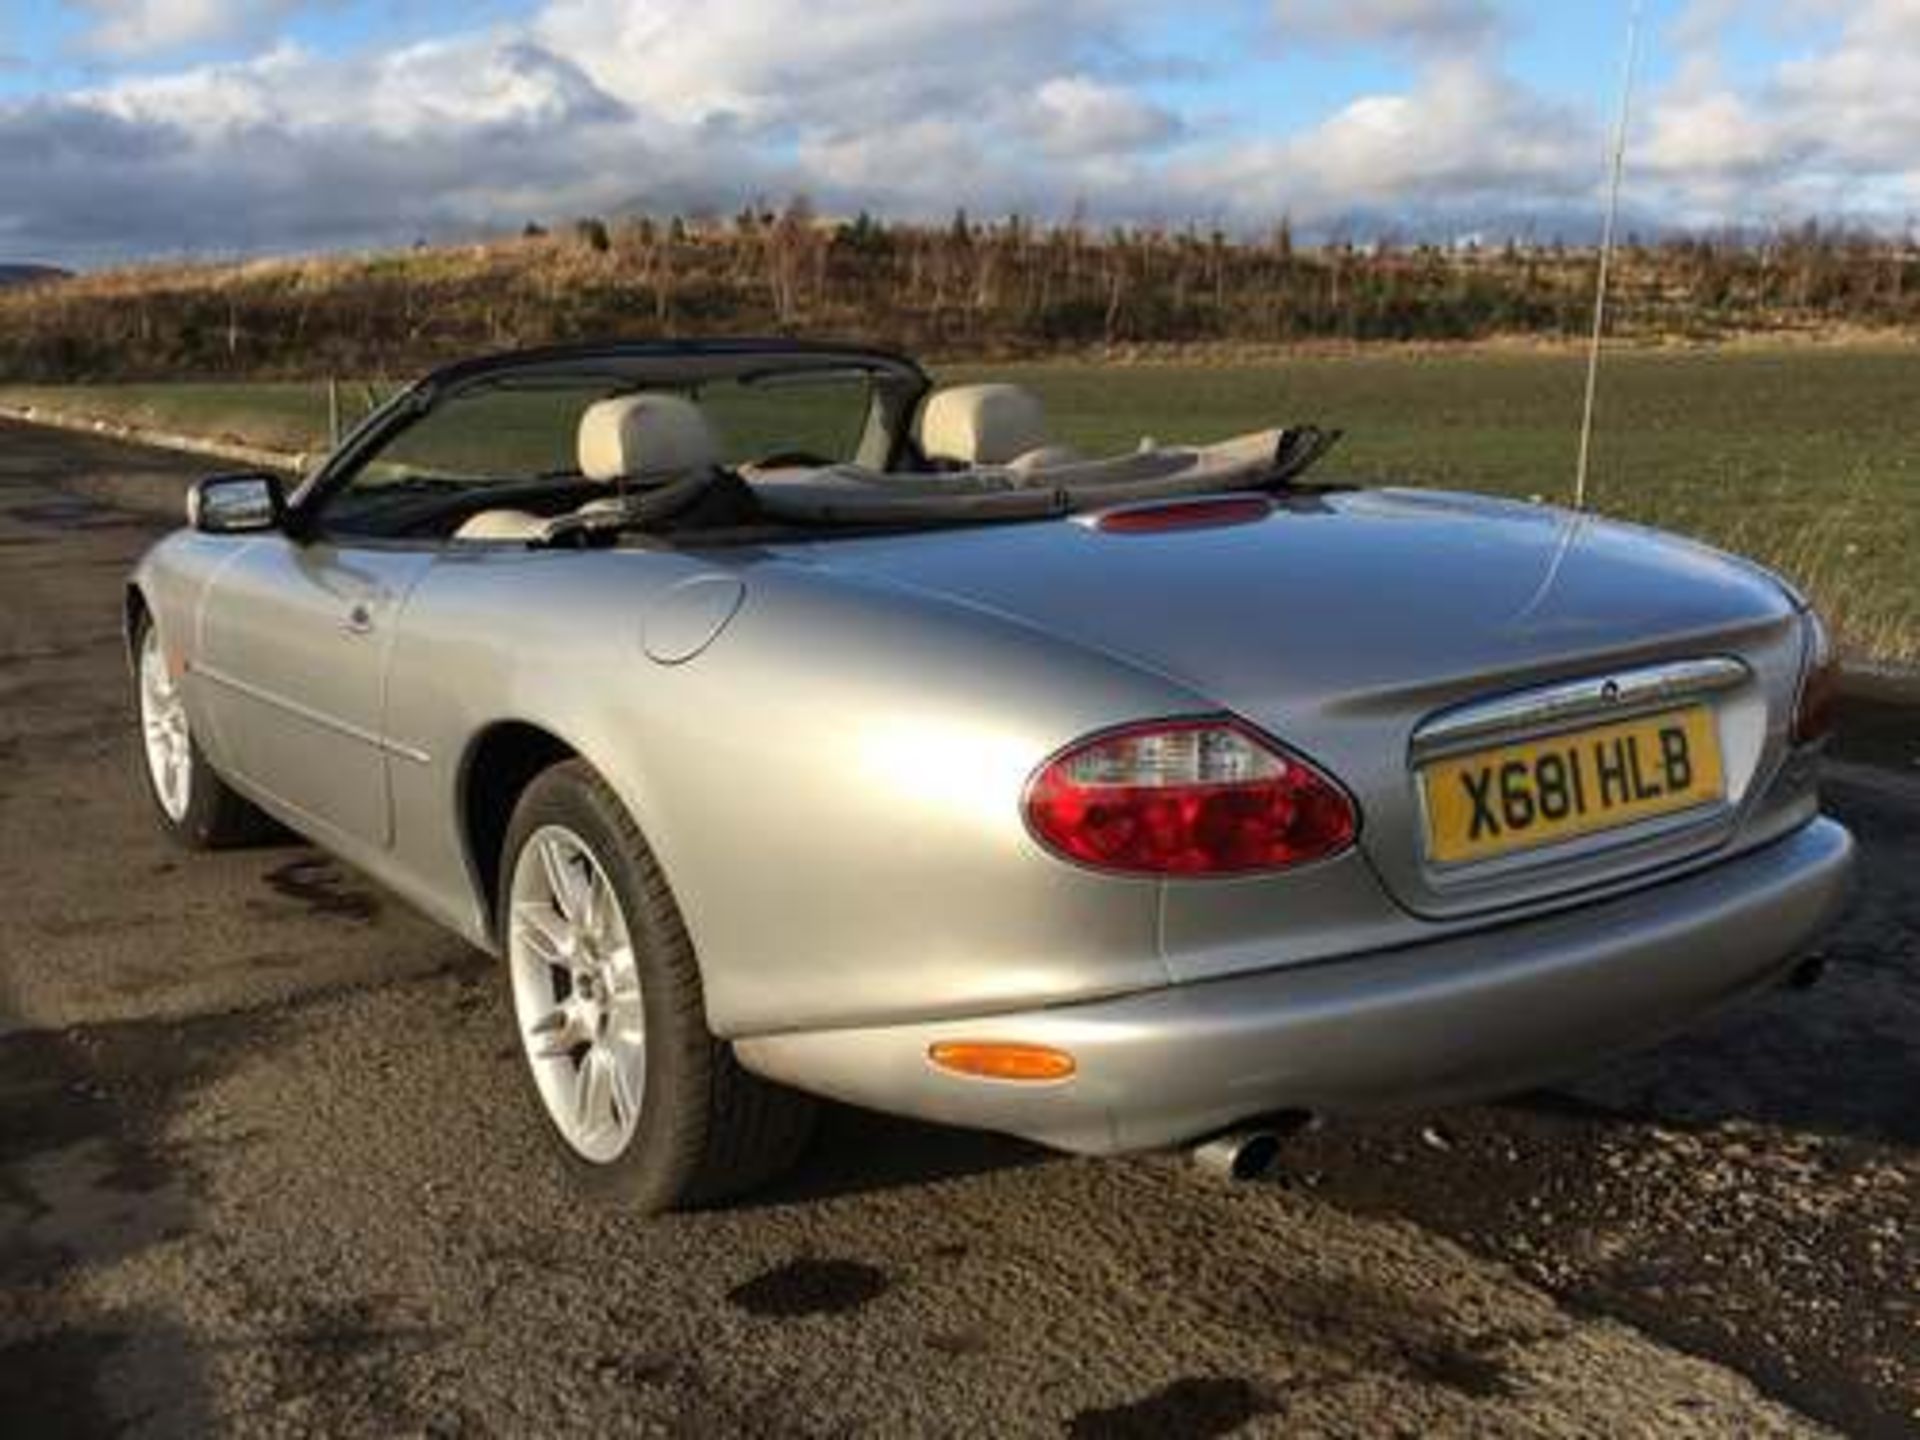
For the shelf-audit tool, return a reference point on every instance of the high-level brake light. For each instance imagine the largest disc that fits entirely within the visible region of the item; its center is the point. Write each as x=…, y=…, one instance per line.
x=1203, y=514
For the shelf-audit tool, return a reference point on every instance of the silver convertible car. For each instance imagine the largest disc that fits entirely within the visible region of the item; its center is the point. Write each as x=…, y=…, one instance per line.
x=792, y=728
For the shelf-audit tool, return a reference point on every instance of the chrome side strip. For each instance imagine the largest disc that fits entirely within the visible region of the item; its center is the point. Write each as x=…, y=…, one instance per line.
x=1600, y=695
x=308, y=713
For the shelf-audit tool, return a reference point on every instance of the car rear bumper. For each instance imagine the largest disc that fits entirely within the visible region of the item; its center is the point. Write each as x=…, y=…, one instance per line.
x=1481, y=1014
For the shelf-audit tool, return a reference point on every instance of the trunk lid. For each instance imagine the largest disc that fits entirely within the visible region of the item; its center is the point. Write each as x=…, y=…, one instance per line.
x=1341, y=621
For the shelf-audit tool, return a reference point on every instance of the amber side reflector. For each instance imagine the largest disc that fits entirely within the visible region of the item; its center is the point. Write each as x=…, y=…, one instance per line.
x=992, y=1060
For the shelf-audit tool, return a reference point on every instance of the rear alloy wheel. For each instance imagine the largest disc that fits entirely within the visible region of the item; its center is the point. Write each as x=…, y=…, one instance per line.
x=195, y=806
x=643, y=1102
x=576, y=993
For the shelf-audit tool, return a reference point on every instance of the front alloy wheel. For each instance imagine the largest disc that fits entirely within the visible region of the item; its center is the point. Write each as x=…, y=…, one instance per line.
x=163, y=729
x=194, y=805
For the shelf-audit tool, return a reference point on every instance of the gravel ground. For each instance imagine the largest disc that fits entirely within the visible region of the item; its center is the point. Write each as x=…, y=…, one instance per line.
x=266, y=1166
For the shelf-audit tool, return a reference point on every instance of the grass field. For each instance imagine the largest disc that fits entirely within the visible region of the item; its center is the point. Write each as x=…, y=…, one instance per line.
x=1805, y=458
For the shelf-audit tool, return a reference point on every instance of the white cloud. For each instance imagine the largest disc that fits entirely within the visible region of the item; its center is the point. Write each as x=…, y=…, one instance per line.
x=827, y=62
x=1465, y=141
x=1857, y=104
x=915, y=108
x=1076, y=115
x=1716, y=133
x=1423, y=24
x=1833, y=131
x=291, y=150
x=135, y=29
x=599, y=105
x=445, y=88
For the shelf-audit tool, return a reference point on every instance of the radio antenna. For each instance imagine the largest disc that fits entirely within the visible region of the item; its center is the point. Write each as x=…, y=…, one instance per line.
x=1606, y=256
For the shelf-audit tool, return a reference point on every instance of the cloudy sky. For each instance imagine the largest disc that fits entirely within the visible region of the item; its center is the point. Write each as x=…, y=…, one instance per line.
x=134, y=128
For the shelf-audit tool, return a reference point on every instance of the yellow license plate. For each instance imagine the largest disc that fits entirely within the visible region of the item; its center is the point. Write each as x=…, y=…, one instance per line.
x=1515, y=797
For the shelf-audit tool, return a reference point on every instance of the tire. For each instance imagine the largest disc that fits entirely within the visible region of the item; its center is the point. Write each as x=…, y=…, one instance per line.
x=195, y=807
x=700, y=1129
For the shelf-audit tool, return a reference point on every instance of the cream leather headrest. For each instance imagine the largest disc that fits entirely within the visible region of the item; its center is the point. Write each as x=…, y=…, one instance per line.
x=647, y=437
x=981, y=424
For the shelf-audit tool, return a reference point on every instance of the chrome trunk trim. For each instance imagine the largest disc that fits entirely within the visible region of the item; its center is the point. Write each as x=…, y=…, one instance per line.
x=1620, y=693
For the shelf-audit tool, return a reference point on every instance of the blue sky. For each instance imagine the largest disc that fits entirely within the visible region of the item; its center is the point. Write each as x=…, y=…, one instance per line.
x=163, y=127
x=1554, y=45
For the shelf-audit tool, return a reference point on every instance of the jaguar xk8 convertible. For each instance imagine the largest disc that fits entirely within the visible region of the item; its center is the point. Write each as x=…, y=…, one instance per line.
x=792, y=728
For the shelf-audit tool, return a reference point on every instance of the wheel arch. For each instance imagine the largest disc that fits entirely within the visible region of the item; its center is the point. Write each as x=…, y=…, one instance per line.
x=500, y=762
x=134, y=610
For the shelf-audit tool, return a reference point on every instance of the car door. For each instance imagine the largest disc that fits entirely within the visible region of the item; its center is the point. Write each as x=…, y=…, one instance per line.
x=292, y=656
x=299, y=626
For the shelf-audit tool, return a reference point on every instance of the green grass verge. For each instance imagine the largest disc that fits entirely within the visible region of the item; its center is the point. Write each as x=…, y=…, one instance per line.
x=1807, y=459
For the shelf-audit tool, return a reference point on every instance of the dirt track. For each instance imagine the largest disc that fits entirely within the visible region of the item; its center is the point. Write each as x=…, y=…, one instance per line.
x=264, y=1166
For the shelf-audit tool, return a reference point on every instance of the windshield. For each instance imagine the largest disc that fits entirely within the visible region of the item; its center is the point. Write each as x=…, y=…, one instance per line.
x=499, y=441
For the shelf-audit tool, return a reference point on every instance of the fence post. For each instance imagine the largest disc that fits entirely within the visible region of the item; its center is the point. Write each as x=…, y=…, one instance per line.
x=333, y=413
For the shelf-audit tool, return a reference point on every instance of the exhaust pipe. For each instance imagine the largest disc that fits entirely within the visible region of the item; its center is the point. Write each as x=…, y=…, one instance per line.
x=1807, y=973
x=1250, y=1151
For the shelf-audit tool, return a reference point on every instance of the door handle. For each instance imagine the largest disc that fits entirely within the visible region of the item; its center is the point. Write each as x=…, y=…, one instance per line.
x=359, y=618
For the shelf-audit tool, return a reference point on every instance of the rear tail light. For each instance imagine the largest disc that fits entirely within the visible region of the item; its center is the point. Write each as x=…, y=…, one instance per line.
x=1187, y=797
x=1813, y=713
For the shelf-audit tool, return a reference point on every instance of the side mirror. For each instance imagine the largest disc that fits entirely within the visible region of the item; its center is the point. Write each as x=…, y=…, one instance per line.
x=237, y=504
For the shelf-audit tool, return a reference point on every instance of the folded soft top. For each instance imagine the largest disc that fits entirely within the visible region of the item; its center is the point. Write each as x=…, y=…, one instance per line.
x=852, y=494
